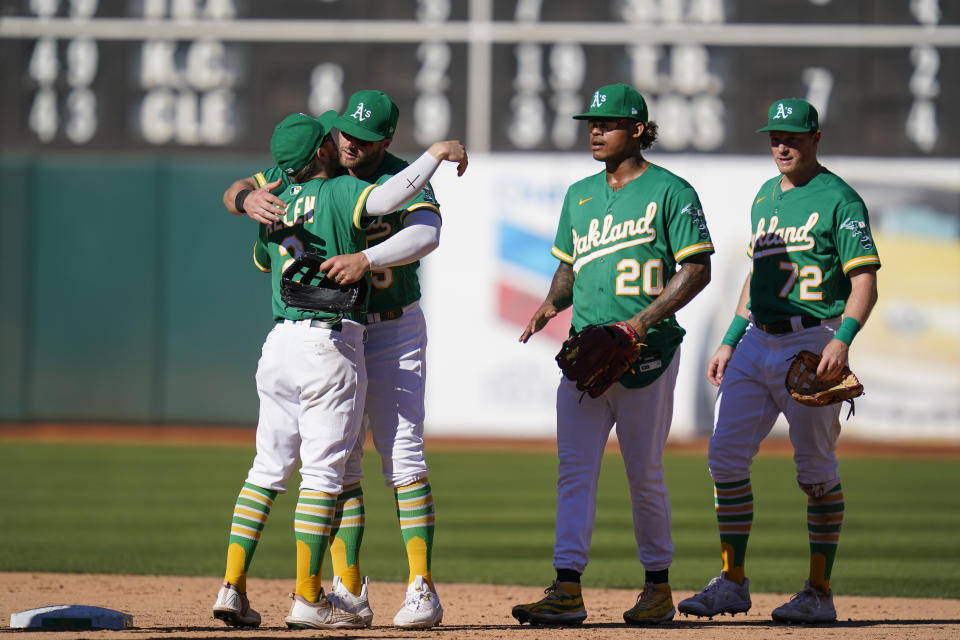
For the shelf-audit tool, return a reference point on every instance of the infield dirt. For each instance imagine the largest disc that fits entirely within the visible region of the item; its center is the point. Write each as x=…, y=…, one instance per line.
x=179, y=607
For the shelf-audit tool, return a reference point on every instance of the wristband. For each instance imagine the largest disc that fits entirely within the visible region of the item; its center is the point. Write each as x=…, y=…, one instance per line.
x=737, y=328
x=848, y=329
x=238, y=202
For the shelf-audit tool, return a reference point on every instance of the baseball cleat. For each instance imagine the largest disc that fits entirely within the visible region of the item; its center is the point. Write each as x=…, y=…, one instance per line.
x=320, y=615
x=654, y=605
x=557, y=608
x=807, y=607
x=233, y=608
x=421, y=607
x=341, y=598
x=719, y=596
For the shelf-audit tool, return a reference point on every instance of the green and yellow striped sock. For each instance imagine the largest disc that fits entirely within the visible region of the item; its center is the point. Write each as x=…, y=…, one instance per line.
x=311, y=526
x=415, y=513
x=824, y=517
x=733, y=502
x=249, y=516
x=346, y=536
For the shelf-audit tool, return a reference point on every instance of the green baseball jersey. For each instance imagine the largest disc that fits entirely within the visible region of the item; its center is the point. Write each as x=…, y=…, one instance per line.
x=323, y=217
x=393, y=287
x=624, y=247
x=804, y=241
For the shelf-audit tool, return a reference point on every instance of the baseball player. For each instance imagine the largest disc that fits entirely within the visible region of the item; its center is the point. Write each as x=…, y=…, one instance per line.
x=812, y=286
x=622, y=236
x=395, y=359
x=311, y=377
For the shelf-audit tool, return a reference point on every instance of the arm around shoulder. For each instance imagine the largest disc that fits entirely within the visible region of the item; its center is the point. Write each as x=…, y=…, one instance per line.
x=230, y=198
x=402, y=187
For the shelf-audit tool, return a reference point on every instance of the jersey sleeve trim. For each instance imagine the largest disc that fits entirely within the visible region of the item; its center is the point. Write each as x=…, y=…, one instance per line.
x=860, y=261
x=424, y=205
x=561, y=255
x=701, y=247
x=361, y=203
x=257, y=263
x=260, y=178
x=420, y=206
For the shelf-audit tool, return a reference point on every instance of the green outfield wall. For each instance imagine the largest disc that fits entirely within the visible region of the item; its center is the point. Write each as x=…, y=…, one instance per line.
x=128, y=291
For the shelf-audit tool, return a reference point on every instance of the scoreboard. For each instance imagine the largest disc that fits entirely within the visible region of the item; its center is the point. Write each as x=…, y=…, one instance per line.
x=503, y=75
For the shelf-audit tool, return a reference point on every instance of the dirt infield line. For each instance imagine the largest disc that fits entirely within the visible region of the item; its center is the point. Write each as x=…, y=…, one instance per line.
x=243, y=436
x=179, y=607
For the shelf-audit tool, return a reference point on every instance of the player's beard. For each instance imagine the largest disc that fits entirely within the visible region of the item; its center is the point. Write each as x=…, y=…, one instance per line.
x=363, y=164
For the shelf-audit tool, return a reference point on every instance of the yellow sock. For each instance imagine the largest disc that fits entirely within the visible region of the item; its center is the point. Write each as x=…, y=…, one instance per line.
x=235, y=575
x=349, y=573
x=569, y=588
x=417, y=559
x=346, y=536
x=732, y=572
x=308, y=584
x=311, y=526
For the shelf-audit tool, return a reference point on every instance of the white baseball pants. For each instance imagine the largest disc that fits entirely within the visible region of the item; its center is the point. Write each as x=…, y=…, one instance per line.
x=396, y=365
x=312, y=382
x=753, y=394
x=642, y=417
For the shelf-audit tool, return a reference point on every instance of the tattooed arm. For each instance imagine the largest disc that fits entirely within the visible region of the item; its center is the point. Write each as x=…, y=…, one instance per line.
x=558, y=298
x=687, y=283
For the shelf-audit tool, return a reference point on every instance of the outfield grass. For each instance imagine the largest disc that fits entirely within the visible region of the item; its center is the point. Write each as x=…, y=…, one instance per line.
x=166, y=510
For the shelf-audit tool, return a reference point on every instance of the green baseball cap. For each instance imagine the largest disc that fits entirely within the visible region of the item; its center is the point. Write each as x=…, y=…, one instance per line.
x=370, y=115
x=616, y=101
x=297, y=138
x=792, y=114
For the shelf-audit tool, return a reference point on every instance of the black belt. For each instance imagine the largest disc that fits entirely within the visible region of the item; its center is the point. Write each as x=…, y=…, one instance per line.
x=778, y=327
x=317, y=323
x=390, y=314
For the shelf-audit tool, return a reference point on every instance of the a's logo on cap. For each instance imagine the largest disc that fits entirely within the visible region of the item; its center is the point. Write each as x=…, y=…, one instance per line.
x=361, y=114
x=598, y=99
x=783, y=112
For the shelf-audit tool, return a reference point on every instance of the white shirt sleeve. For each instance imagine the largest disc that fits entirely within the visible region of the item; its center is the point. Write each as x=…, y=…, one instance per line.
x=419, y=236
x=401, y=188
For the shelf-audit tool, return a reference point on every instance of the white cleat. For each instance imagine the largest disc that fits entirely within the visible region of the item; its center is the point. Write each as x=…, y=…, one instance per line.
x=233, y=608
x=807, y=607
x=421, y=608
x=341, y=598
x=718, y=597
x=320, y=615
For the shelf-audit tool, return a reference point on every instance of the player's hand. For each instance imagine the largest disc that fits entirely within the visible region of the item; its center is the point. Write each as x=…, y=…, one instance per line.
x=263, y=206
x=539, y=320
x=832, y=360
x=451, y=151
x=347, y=268
x=718, y=364
x=639, y=327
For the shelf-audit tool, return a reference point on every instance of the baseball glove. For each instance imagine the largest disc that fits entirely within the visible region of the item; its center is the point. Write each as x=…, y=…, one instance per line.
x=598, y=355
x=303, y=287
x=806, y=388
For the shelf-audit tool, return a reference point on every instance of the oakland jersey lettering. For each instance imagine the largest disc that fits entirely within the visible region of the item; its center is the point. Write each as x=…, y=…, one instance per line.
x=804, y=243
x=636, y=231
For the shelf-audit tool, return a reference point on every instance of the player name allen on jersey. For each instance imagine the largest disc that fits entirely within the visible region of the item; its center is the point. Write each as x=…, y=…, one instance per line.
x=784, y=239
x=302, y=210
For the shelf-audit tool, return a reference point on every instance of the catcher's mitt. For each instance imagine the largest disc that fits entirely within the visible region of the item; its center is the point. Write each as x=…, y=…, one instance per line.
x=598, y=355
x=303, y=287
x=806, y=388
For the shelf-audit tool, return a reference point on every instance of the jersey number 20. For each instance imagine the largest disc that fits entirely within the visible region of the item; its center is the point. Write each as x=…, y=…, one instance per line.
x=631, y=271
